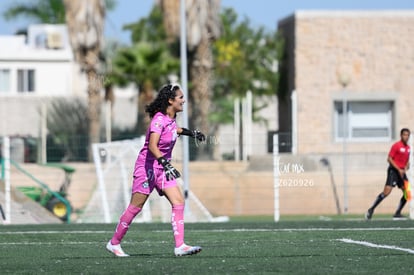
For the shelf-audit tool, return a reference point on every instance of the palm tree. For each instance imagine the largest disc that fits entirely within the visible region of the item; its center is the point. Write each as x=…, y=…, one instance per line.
x=203, y=27
x=147, y=65
x=85, y=21
x=43, y=11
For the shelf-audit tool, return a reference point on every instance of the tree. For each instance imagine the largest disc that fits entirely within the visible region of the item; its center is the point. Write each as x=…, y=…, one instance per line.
x=148, y=63
x=246, y=59
x=43, y=11
x=203, y=27
x=66, y=130
x=149, y=29
x=85, y=21
x=148, y=66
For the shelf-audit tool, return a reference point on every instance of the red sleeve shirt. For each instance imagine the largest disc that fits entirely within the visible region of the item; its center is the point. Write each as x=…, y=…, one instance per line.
x=400, y=153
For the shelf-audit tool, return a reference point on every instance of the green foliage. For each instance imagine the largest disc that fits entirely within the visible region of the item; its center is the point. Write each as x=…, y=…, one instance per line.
x=110, y=5
x=222, y=117
x=148, y=29
x=150, y=59
x=43, y=11
x=143, y=62
x=148, y=62
x=67, y=123
x=246, y=59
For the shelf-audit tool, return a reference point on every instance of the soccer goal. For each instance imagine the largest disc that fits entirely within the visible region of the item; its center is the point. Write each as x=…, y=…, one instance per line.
x=114, y=162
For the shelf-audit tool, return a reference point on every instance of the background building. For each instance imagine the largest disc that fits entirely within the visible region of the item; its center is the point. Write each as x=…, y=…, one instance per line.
x=359, y=59
x=38, y=68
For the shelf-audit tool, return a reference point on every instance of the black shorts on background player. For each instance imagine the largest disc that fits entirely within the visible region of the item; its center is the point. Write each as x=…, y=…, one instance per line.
x=398, y=159
x=394, y=179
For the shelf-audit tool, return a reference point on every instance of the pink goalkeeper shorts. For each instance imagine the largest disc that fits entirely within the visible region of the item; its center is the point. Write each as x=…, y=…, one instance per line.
x=145, y=180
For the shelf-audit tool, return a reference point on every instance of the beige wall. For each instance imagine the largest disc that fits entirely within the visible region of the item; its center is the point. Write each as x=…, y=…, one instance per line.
x=228, y=188
x=372, y=49
x=243, y=192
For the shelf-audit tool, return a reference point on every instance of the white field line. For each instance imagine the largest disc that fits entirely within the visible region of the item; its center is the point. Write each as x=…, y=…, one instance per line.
x=109, y=232
x=56, y=232
x=48, y=243
x=219, y=230
x=392, y=247
x=310, y=229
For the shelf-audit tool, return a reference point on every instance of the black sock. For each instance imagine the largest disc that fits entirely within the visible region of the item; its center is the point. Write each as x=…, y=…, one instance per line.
x=401, y=205
x=377, y=201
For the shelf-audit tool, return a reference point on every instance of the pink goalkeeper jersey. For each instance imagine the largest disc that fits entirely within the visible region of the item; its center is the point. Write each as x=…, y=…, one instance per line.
x=167, y=128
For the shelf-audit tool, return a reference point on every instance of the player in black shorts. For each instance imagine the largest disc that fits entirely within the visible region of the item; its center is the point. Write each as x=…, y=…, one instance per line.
x=398, y=158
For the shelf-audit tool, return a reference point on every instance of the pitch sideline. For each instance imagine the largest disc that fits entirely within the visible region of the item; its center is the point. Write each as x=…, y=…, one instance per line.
x=368, y=244
x=221, y=230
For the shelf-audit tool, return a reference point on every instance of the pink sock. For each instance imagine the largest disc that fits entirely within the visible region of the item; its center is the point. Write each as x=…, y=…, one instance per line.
x=177, y=222
x=124, y=222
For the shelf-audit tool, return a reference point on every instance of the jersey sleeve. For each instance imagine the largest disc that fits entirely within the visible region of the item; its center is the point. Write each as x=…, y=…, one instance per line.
x=157, y=124
x=393, y=150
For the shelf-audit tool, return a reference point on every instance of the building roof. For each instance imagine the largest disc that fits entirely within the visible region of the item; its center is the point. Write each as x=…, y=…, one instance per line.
x=43, y=42
x=347, y=13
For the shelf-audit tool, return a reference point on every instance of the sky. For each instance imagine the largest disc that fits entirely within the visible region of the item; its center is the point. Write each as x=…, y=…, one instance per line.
x=264, y=13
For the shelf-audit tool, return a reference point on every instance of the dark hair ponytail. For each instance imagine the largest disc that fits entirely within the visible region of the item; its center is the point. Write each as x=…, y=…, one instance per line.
x=160, y=103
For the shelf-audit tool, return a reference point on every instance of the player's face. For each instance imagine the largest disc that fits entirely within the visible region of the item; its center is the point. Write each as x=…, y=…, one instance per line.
x=178, y=101
x=405, y=136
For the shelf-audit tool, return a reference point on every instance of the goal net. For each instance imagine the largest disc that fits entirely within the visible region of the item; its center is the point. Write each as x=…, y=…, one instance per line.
x=114, y=163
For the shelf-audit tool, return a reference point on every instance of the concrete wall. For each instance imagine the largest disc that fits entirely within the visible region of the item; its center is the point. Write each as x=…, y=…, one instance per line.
x=21, y=115
x=371, y=49
x=229, y=188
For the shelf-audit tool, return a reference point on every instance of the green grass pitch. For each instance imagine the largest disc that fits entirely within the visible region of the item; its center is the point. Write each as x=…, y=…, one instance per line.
x=237, y=247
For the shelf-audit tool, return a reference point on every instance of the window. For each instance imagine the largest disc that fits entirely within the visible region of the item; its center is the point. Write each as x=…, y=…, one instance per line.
x=25, y=81
x=4, y=80
x=364, y=120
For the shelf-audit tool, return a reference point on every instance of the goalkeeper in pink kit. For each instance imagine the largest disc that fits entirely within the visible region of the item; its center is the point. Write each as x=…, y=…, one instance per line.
x=154, y=170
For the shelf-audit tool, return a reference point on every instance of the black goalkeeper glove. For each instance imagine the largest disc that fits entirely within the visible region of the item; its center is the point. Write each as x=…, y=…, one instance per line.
x=194, y=134
x=170, y=172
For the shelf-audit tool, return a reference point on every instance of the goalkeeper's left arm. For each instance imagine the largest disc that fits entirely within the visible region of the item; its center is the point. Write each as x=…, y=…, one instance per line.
x=192, y=133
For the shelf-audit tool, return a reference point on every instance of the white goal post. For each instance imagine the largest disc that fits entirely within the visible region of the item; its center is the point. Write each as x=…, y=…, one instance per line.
x=114, y=163
x=411, y=177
